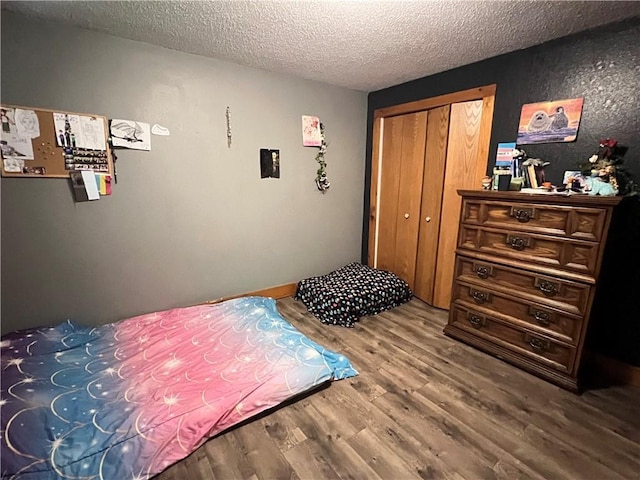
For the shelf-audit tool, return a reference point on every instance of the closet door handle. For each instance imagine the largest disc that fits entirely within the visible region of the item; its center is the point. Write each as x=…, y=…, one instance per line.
x=406, y=215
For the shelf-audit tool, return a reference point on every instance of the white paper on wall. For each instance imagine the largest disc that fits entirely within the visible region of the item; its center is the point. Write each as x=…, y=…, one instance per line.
x=13, y=165
x=81, y=131
x=14, y=146
x=90, y=185
x=160, y=130
x=27, y=123
x=130, y=134
x=92, y=133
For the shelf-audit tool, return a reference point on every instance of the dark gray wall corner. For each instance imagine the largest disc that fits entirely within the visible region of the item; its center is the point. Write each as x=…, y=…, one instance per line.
x=615, y=329
x=603, y=66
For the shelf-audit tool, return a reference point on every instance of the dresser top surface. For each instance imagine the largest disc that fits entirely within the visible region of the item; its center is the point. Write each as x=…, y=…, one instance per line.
x=549, y=198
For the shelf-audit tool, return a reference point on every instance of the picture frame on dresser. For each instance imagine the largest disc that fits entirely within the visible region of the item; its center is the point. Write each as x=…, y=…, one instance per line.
x=525, y=276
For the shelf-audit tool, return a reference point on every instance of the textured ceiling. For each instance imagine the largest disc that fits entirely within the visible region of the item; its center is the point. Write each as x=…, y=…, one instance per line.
x=363, y=45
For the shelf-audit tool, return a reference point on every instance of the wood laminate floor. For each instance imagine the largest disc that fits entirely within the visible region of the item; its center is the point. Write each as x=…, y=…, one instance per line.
x=426, y=406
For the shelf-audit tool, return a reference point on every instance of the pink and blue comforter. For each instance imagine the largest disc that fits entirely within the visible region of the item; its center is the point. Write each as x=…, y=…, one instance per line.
x=128, y=399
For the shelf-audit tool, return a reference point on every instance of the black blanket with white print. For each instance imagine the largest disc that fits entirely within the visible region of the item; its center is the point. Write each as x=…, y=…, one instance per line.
x=353, y=291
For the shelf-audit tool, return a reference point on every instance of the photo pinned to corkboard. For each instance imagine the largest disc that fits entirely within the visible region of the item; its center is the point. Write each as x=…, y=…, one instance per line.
x=550, y=122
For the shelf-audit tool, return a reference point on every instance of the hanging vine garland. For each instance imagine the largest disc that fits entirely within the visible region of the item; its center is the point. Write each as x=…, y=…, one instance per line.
x=321, y=175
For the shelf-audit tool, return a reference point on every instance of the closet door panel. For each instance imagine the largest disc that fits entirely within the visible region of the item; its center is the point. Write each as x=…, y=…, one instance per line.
x=402, y=164
x=463, y=171
x=389, y=187
x=432, y=184
x=411, y=172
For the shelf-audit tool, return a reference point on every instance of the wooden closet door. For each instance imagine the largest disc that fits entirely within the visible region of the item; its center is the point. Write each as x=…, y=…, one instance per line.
x=457, y=131
x=432, y=185
x=469, y=135
x=403, y=148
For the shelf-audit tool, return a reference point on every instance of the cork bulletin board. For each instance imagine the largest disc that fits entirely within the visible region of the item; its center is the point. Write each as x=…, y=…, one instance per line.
x=61, y=143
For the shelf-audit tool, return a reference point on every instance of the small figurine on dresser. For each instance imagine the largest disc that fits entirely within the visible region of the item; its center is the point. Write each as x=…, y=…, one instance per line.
x=604, y=174
x=572, y=182
x=534, y=171
x=603, y=182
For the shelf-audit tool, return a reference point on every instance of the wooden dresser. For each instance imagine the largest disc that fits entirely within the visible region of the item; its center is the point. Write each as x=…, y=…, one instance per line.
x=525, y=277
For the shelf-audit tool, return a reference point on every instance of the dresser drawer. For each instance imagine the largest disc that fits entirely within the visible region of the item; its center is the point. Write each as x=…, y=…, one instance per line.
x=562, y=294
x=533, y=249
x=512, y=309
x=524, y=277
x=573, y=222
x=525, y=343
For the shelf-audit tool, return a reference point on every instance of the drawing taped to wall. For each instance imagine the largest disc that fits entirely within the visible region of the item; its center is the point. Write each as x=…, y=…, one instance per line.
x=550, y=122
x=311, y=136
x=130, y=134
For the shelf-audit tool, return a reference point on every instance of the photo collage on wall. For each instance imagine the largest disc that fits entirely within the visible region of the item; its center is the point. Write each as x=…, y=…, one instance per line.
x=83, y=141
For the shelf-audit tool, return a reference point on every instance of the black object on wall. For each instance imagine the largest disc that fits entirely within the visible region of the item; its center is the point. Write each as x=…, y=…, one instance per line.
x=269, y=163
x=603, y=66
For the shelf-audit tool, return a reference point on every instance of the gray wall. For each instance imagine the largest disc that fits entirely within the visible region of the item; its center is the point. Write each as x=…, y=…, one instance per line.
x=191, y=220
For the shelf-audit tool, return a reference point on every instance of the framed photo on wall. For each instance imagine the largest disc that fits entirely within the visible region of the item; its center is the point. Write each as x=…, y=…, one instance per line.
x=550, y=122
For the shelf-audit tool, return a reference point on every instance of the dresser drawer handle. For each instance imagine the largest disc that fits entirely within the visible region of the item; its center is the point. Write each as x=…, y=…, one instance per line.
x=523, y=215
x=518, y=243
x=548, y=288
x=482, y=271
x=478, y=296
x=538, y=344
x=543, y=318
x=476, y=321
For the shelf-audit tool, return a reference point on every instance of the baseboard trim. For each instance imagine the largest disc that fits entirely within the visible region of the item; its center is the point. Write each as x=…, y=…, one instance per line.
x=280, y=291
x=616, y=371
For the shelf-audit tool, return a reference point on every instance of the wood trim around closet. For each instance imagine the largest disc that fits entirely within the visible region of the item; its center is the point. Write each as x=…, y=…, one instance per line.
x=433, y=102
x=485, y=93
x=374, y=189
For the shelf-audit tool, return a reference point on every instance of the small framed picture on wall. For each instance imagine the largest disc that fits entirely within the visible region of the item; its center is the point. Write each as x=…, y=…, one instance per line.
x=550, y=122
